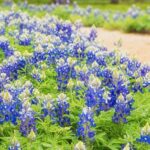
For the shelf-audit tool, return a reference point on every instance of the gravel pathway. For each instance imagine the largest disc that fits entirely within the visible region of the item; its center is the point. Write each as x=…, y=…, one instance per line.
x=135, y=45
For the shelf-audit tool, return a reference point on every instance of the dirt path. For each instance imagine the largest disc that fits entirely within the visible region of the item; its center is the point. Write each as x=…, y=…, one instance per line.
x=135, y=45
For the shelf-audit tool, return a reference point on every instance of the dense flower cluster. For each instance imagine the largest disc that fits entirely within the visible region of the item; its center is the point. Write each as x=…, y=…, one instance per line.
x=77, y=66
x=9, y=107
x=5, y=46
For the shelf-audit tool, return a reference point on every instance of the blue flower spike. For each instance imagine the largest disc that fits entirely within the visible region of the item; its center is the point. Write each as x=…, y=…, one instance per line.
x=85, y=123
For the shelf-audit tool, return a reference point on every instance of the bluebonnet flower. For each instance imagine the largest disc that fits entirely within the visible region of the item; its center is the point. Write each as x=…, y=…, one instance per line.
x=123, y=108
x=116, y=16
x=91, y=54
x=133, y=66
x=48, y=108
x=9, y=108
x=79, y=49
x=5, y=46
x=93, y=34
x=144, y=70
x=24, y=39
x=146, y=80
x=133, y=11
x=2, y=28
x=138, y=85
x=62, y=110
x=119, y=83
x=13, y=64
x=79, y=89
x=101, y=59
x=35, y=96
x=145, y=134
x=72, y=62
x=107, y=76
x=90, y=57
x=82, y=73
x=64, y=31
x=27, y=119
x=95, y=69
x=3, y=80
x=78, y=24
x=15, y=145
x=124, y=59
x=104, y=102
x=38, y=75
x=85, y=123
x=94, y=91
x=38, y=54
x=62, y=70
x=89, y=9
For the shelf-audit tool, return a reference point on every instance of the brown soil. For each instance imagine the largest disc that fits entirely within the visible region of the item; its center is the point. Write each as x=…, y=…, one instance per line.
x=135, y=45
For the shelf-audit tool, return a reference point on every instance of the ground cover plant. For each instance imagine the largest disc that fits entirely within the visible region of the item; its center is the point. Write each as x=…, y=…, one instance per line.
x=59, y=89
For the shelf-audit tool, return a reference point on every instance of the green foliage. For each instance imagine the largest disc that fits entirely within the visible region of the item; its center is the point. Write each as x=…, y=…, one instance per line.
x=1, y=55
x=91, y=20
x=138, y=25
x=61, y=13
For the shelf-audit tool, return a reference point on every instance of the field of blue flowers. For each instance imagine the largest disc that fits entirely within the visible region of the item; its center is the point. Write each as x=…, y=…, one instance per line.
x=60, y=90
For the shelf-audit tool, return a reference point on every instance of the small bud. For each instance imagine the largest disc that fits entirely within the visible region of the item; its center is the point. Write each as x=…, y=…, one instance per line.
x=31, y=135
x=95, y=64
x=62, y=97
x=35, y=71
x=43, y=76
x=80, y=146
x=77, y=69
x=48, y=105
x=70, y=84
x=7, y=97
x=18, y=83
x=146, y=129
x=27, y=84
x=80, y=83
x=94, y=82
x=120, y=98
x=71, y=61
x=15, y=145
x=139, y=80
x=36, y=92
x=44, y=66
x=116, y=74
x=39, y=49
x=14, y=141
x=127, y=147
x=27, y=54
x=3, y=75
x=85, y=69
x=61, y=62
x=106, y=96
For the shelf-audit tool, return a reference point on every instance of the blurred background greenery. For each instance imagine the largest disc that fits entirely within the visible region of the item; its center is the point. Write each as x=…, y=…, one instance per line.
x=82, y=2
x=110, y=8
